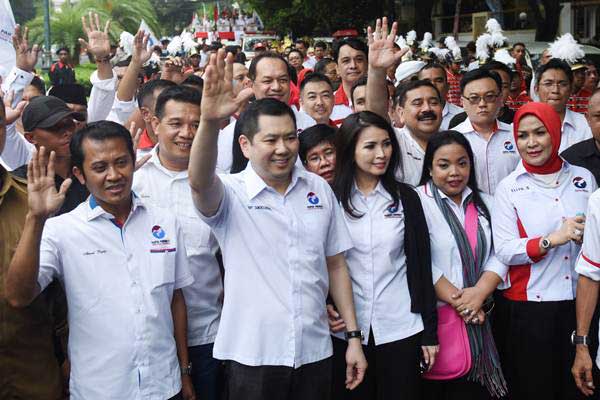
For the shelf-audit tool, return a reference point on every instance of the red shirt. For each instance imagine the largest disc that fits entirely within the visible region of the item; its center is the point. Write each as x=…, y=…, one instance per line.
x=519, y=101
x=454, y=94
x=145, y=141
x=294, y=95
x=578, y=102
x=340, y=97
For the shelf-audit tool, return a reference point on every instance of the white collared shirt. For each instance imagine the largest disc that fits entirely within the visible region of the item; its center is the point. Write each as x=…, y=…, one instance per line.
x=204, y=298
x=450, y=111
x=225, y=140
x=524, y=210
x=340, y=112
x=575, y=129
x=102, y=97
x=588, y=263
x=276, y=279
x=119, y=284
x=377, y=266
x=494, y=158
x=445, y=255
x=411, y=155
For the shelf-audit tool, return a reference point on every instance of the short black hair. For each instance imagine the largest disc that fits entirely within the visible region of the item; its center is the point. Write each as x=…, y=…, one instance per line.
x=353, y=42
x=322, y=63
x=553, y=63
x=362, y=81
x=434, y=65
x=478, y=74
x=124, y=63
x=295, y=51
x=98, y=131
x=494, y=65
x=146, y=92
x=72, y=93
x=64, y=48
x=194, y=81
x=403, y=89
x=180, y=94
x=39, y=84
x=321, y=44
x=315, y=77
x=240, y=57
x=249, y=118
x=302, y=42
x=314, y=136
x=519, y=44
x=263, y=55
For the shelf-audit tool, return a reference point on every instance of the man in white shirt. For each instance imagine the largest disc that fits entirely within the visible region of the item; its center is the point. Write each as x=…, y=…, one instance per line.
x=269, y=73
x=436, y=74
x=316, y=98
x=282, y=236
x=122, y=264
x=554, y=81
x=491, y=140
x=163, y=181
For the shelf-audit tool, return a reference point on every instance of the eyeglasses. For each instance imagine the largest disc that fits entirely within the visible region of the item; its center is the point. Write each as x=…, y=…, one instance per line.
x=559, y=85
x=488, y=98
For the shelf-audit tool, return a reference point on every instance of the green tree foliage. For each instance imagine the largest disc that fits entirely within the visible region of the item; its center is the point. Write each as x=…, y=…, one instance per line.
x=318, y=17
x=65, y=25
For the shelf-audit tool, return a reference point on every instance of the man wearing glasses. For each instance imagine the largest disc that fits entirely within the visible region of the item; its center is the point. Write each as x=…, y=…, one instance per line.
x=491, y=140
x=61, y=72
x=554, y=82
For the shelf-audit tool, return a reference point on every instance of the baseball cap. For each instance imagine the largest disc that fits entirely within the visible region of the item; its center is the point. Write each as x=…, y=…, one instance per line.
x=45, y=112
x=259, y=45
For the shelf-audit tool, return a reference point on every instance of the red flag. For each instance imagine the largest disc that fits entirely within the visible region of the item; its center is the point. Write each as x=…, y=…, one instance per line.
x=215, y=13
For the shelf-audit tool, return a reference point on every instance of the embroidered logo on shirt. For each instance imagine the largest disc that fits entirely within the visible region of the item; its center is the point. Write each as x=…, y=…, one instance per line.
x=158, y=232
x=392, y=211
x=313, y=200
x=508, y=147
x=250, y=207
x=580, y=183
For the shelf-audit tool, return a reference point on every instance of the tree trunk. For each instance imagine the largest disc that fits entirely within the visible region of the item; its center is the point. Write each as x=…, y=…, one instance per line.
x=423, y=17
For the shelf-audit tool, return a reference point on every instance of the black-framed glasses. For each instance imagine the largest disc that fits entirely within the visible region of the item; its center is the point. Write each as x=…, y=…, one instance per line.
x=488, y=98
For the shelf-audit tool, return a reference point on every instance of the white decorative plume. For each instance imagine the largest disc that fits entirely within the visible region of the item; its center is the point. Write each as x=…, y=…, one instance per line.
x=427, y=42
x=440, y=54
x=482, y=46
x=411, y=37
x=126, y=42
x=401, y=42
x=495, y=30
x=175, y=46
x=188, y=41
x=451, y=44
x=567, y=49
x=504, y=57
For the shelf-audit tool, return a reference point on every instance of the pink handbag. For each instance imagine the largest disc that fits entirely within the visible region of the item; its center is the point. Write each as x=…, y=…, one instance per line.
x=454, y=358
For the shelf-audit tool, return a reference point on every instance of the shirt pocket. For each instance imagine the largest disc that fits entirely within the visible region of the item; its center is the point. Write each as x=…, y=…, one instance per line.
x=196, y=235
x=162, y=267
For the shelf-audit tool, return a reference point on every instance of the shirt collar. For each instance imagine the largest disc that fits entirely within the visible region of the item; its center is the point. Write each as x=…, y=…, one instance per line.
x=569, y=119
x=154, y=160
x=520, y=169
x=95, y=210
x=379, y=190
x=255, y=184
x=465, y=194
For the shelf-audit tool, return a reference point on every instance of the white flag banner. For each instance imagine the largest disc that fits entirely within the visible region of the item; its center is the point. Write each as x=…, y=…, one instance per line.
x=152, y=40
x=7, y=28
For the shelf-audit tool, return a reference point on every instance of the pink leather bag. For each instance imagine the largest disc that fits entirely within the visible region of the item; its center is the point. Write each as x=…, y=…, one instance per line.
x=454, y=358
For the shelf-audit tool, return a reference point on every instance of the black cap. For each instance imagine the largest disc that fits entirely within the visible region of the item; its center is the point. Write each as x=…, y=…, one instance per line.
x=45, y=112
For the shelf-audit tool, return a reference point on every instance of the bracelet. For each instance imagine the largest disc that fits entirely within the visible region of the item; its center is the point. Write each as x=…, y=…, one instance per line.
x=354, y=334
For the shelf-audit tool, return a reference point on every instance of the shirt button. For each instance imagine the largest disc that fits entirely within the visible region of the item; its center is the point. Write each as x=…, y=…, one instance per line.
x=566, y=257
x=566, y=277
x=555, y=199
x=133, y=283
x=139, y=310
x=537, y=296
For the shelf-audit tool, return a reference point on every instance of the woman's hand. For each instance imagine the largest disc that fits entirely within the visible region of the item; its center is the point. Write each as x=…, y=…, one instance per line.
x=468, y=301
x=430, y=355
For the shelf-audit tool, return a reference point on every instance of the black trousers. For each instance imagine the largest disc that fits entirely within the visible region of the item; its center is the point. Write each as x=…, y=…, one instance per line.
x=310, y=381
x=455, y=389
x=393, y=371
x=538, y=354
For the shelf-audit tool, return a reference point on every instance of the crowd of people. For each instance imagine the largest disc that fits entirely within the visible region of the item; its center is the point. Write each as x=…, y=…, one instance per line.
x=376, y=219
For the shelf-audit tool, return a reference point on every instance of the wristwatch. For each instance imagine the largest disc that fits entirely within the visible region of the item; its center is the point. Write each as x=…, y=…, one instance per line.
x=354, y=334
x=546, y=245
x=575, y=339
x=186, y=370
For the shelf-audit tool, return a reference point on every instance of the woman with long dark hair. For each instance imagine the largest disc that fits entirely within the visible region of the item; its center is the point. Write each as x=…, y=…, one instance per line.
x=465, y=272
x=539, y=223
x=389, y=264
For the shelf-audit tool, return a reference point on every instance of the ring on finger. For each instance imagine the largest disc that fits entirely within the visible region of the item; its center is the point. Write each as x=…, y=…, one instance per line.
x=577, y=232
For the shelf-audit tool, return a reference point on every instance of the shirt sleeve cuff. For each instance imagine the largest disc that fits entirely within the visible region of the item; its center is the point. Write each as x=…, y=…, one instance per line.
x=184, y=281
x=533, y=249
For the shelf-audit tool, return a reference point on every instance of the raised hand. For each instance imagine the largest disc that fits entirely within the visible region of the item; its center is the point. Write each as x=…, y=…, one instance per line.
x=141, y=52
x=136, y=134
x=26, y=58
x=98, y=41
x=218, y=101
x=172, y=70
x=43, y=198
x=382, y=53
